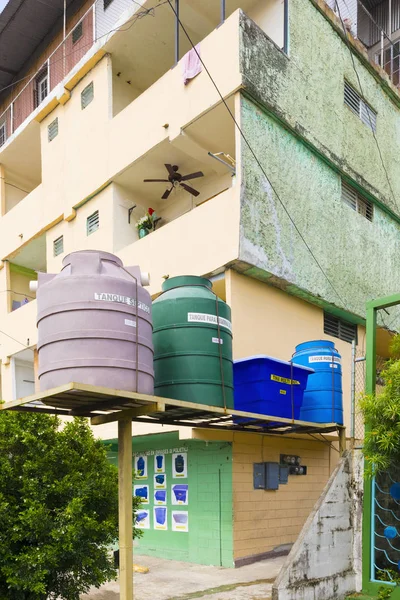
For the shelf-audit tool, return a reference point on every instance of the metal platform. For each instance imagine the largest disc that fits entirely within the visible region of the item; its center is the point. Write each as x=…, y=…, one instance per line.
x=105, y=405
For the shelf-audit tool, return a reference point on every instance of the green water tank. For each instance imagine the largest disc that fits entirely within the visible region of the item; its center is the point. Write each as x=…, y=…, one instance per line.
x=192, y=336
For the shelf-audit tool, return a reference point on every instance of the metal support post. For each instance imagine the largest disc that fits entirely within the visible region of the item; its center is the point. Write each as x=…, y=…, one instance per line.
x=286, y=26
x=177, y=30
x=353, y=391
x=223, y=11
x=342, y=440
x=125, y=509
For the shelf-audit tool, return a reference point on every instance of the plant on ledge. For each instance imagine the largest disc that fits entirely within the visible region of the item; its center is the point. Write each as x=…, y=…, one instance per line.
x=146, y=223
x=382, y=415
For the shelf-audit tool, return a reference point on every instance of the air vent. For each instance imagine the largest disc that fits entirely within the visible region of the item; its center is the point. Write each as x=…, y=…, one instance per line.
x=354, y=101
x=77, y=32
x=357, y=202
x=3, y=134
x=340, y=329
x=58, y=246
x=52, y=130
x=87, y=95
x=92, y=223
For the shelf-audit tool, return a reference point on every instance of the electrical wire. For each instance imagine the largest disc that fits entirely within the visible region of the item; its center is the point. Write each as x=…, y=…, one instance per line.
x=13, y=338
x=362, y=95
x=255, y=156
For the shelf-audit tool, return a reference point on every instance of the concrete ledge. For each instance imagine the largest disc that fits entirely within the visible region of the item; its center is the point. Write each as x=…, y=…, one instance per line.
x=324, y=563
x=253, y=558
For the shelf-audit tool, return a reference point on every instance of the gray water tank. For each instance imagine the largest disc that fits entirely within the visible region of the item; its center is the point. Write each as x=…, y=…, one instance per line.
x=94, y=325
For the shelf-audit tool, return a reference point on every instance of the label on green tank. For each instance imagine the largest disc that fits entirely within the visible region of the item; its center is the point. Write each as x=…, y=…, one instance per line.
x=217, y=341
x=205, y=318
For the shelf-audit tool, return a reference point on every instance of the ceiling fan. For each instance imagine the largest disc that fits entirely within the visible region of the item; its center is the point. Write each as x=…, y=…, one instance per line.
x=175, y=179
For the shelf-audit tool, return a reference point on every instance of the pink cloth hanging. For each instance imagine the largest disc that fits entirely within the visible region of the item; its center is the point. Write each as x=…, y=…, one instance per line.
x=191, y=64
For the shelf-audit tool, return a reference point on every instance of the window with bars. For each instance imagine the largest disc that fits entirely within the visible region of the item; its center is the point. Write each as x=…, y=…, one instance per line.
x=77, y=32
x=339, y=328
x=357, y=105
x=87, y=95
x=3, y=134
x=352, y=198
x=58, y=246
x=92, y=223
x=52, y=130
x=42, y=86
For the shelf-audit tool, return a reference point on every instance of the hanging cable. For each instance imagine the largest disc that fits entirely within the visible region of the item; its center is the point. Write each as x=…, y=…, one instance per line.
x=255, y=157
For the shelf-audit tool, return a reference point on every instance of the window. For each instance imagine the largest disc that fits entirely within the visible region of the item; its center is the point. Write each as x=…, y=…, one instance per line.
x=58, y=246
x=87, y=95
x=339, y=328
x=3, y=134
x=357, y=202
x=42, y=86
x=52, y=130
x=92, y=223
x=356, y=104
x=77, y=32
x=106, y=3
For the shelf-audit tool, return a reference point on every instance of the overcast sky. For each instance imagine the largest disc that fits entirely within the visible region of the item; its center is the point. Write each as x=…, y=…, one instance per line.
x=2, y=4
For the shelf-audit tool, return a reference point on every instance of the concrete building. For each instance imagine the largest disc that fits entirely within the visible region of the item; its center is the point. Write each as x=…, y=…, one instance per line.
x=297, y=219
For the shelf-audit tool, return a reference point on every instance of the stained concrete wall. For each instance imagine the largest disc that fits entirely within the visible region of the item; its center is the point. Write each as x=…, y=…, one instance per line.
x=325, y=561
x=307, y=139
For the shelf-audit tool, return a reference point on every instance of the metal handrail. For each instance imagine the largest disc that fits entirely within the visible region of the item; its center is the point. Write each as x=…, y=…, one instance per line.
x=47, y=62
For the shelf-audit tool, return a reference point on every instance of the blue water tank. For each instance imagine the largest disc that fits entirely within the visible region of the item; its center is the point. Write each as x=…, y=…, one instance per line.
x=323, y=397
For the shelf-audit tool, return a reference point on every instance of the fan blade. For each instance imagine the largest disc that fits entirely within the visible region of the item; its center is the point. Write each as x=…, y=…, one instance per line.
x=190, y=189
x=155, y=180
x=166, y=194
x=192, y=176
x=171, y=170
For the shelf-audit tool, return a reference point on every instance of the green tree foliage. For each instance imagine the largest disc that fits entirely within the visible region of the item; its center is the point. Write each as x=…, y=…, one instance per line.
x=58, y=508
x=382, y=415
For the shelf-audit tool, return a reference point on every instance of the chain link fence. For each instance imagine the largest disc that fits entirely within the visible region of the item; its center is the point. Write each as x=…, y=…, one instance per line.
x=358, y=378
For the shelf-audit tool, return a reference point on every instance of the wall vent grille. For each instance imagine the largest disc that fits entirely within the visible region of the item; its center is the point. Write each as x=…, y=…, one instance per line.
x=357, y=202
x=338, y=328
x=354, y=101
x=52, y=130
x=87, y=95
x=92, y=223
x=58, y=246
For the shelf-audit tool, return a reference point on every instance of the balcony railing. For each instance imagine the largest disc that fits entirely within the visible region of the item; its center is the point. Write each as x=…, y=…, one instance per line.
x=377, y=28
x=95, y=24
x=49, y=75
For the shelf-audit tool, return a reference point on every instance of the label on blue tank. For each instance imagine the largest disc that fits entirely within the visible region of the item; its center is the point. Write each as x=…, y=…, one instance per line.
x=328, y=359
x=284, y=380
x=205, y=318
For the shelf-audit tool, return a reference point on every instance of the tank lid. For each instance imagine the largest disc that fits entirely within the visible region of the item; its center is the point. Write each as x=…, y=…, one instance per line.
x=102, y=256
x=314, y=344
x=185, y=281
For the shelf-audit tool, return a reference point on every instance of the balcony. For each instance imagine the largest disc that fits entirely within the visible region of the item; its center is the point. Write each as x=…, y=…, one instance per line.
x=210, y=232
x=142, y=52
x=375, y=23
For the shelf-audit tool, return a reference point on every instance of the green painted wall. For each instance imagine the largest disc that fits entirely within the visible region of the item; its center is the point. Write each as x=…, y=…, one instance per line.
x=294, y=116
x=209, y=540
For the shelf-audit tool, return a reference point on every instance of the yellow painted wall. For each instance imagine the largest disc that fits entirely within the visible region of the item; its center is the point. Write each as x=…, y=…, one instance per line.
x=263, y=519
x=267, y=320
x=19, y=286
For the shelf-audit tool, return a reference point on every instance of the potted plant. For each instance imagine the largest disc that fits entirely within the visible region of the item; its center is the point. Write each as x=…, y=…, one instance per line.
x=146, y=223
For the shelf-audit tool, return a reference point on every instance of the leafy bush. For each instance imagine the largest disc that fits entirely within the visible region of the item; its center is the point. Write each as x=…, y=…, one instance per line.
x=58, y=508
x=382, y=415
